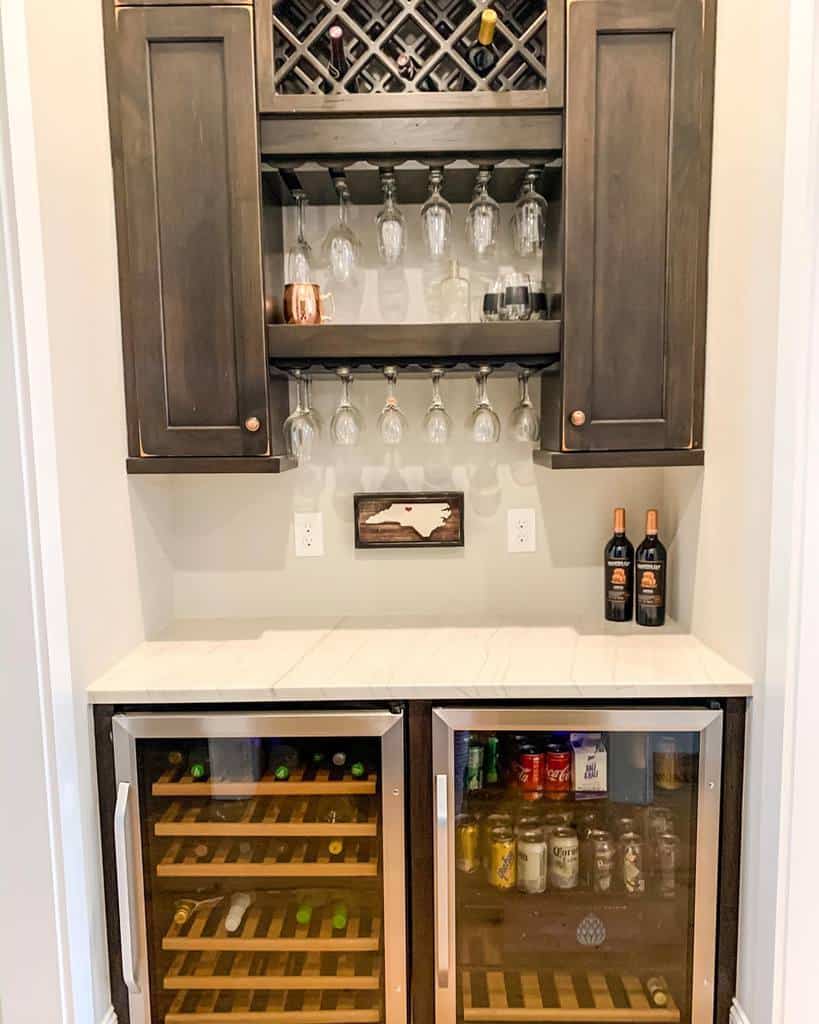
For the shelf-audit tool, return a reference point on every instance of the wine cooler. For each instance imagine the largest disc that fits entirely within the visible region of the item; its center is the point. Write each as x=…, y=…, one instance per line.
x=576, y=856
x=260, y=867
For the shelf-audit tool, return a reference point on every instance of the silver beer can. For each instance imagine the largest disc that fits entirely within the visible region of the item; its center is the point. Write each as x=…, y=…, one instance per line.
x=604, y=861
x=632, y=863
x=668, y=859
x=532, y=860
x=564, y=859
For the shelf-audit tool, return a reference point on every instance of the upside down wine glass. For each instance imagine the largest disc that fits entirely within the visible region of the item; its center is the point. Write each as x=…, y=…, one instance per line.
x=300, y=255
x=529, y=218
x=392, y=423
x=482, y=218
x=391, y=232
x=436, y=219
x=486, y=426
x=299, y=427
x=525, y=421
x=346, y=424
x=341, y=247
x=437, y=422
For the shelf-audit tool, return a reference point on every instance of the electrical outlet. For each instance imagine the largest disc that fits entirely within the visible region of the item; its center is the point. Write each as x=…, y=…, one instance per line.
x=521, y=530
x=308, y=529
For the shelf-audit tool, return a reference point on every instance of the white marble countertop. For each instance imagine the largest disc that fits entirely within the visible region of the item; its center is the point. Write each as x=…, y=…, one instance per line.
x=345, y=659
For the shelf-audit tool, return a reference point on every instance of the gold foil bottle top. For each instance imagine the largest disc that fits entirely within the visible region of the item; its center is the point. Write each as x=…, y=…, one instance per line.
x=651, y=521
x=486, y=33
x=619, y=520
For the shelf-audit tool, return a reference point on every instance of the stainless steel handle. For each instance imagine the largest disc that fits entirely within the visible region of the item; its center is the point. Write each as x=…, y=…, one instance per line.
x=124, y=888
x=442, y=877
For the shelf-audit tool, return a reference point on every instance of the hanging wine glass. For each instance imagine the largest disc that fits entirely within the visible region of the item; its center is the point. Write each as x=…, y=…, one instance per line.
x=486, y=426
x=346, y=424
x=341, y=248
x=529, y=218
x=482, y=218
x=392, y=423
x=437, y=422
x=436, y=219
x=299, y=427
x=525, y=421
x=300, y=255
x=309, y=410
x=390, y=226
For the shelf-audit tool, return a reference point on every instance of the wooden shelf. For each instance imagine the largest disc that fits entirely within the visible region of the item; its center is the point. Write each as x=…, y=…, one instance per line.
x=176, y=784
x=532, y=341
x=312, y=1007
x=546, y=996
x=146, y=464
x=272, y=859
x=274, y=816
x=273, y=928
x=273, y=972
x=619, y=460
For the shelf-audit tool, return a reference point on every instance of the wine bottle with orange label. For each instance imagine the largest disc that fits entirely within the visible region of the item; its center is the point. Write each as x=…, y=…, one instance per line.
x=619, y=581
x=650, y=573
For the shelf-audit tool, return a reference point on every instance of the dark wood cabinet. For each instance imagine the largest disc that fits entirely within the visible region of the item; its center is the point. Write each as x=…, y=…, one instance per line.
x=189, y=220
x=637, y=146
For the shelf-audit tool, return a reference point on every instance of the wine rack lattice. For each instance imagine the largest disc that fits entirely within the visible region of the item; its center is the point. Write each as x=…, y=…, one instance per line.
x=436, y=36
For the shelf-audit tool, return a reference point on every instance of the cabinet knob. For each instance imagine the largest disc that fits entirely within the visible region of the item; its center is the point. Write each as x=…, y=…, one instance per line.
x=252, y=423
x=578, y=418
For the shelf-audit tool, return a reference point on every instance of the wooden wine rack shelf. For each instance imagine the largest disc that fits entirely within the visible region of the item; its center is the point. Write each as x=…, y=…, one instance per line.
x=310, y=1007
x=176, y=783
x=275, y=929
x=261, y=817
x=229, y=858
x=273, y=971
x=554, y=997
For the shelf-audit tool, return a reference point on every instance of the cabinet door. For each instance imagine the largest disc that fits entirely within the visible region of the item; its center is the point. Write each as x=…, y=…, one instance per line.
x=635, y=210
x=193, y=292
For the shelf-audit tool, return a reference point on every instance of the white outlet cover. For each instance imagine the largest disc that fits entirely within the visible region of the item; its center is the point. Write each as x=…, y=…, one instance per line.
x=308, y=530
x=521, y=530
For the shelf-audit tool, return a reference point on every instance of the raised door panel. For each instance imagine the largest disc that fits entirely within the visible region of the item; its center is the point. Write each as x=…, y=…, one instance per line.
x=191, y=176
x=633, y=210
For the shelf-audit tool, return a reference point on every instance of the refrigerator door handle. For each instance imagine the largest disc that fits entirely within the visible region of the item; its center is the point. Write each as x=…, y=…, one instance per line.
x=124, y=887
x=442, y=878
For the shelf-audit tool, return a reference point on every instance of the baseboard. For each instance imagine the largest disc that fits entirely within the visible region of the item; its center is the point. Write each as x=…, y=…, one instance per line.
x=738, y=1015
x=110, y=1017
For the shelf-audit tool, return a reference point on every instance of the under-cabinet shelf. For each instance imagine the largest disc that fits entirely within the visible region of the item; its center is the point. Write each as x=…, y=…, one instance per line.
x=310, y=1007
x=274, y=928
x=530, y=342
x=619, y=459
x=557, y=996
x=159, y=464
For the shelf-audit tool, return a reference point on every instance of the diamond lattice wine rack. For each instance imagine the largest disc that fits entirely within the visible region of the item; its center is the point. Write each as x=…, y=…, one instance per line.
x=407, y=55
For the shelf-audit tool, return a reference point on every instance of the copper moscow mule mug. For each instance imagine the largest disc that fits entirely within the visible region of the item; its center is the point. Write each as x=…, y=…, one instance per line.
x=304, y=304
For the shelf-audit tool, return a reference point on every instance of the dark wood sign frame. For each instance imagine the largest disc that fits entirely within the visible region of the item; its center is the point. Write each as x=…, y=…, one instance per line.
x=402, y=535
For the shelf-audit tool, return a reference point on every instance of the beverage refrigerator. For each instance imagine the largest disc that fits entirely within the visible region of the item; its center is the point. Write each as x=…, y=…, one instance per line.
x=260, y=866
x=576, y=858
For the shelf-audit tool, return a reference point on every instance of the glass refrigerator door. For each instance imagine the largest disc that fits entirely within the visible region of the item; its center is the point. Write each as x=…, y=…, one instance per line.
x=260, y=865
x=576, y=864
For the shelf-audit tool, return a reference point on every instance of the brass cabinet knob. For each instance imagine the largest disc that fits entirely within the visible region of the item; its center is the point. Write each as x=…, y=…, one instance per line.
x=253, y=423
x=578, y=418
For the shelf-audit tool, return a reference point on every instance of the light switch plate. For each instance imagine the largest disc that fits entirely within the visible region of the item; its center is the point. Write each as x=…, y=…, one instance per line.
x=308, y=529
x=521, y=530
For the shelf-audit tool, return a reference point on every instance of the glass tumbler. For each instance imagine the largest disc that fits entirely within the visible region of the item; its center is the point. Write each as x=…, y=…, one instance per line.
x=517, y=296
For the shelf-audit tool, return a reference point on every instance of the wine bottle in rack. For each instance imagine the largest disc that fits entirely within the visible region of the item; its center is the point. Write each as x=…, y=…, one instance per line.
x=650, y=575
x=199, y=764
x=240, y=903
x=338, y=66
x=304, y=913
x=339, y=916
x=482, y=55
x=406, y=68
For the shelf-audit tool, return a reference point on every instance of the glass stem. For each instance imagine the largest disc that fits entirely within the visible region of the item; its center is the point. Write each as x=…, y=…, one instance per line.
x=436, y=390
x=301, y=218
x=345, y=391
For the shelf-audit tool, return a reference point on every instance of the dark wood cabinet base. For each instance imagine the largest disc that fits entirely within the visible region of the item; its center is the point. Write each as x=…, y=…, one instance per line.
x=619, y=460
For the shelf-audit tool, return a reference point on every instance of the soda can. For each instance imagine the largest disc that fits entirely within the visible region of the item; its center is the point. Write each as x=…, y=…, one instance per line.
x=668, y=859
x=632, y=863
x=488, y=824
x=587, y=854
x=502, y=860
x=558, y=771
x=659, y=820
x=564, y=859
x=532, y=861
x=474, y=768
x=604, y=861
x=531, y=774
x=467, y=849
x=624, y=825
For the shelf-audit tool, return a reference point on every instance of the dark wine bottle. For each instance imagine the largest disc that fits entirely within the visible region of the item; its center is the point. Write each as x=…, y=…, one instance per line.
x=406, y=69
x=338, y=66
x=619, y=574
x=650, y=576
x=482, y=55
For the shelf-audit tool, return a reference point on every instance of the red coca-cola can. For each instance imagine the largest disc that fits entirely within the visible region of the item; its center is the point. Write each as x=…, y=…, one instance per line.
x=558, y=767
x=531, y=773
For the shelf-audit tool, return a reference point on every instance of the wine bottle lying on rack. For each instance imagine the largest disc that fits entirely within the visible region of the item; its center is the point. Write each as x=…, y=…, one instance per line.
x=338, y=66
x=482, y=55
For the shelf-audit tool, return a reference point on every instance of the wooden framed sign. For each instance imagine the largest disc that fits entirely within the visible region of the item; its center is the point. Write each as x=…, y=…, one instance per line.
x=408, y=520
